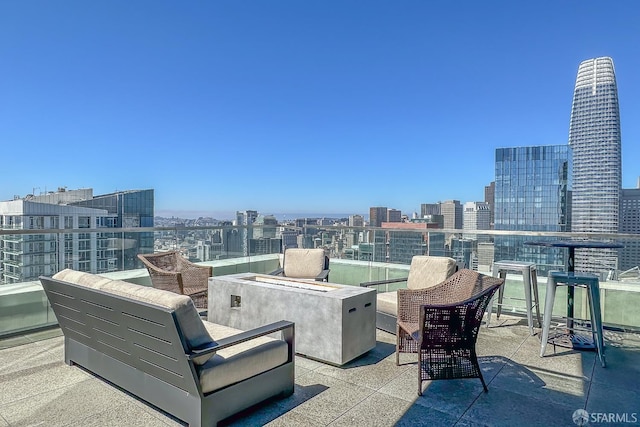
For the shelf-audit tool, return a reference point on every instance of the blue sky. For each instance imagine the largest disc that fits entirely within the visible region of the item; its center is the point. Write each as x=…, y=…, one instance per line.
x=296, y=106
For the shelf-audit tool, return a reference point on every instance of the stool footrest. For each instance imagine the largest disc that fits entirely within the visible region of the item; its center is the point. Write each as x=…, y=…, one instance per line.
x=574, y=341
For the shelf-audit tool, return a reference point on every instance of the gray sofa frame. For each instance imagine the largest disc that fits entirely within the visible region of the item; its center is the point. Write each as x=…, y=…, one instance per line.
x=140, y=348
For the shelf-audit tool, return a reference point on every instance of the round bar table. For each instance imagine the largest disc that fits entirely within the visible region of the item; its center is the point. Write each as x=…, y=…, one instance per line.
x=572, y=245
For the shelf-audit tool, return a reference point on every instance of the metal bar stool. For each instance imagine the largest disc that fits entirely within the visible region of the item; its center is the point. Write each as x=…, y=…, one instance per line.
x=589, y=281
x=529, y=279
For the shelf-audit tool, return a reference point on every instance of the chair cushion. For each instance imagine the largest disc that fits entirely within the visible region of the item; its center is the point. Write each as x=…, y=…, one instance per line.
x=387, y=302
x=187, y=316
x=427, y=271
x=303, y=263
x=241, y=361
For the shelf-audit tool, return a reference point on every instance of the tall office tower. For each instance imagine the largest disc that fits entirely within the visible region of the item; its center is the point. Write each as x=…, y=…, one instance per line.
x=451, y=210
x=476, y=216
x=356, y=221
x=594, y=137
x=489, y=198
x=245, y=218
x=377, y=215
x=532, y=194
x=630, y=224
x=429, y=209
x=394, y=215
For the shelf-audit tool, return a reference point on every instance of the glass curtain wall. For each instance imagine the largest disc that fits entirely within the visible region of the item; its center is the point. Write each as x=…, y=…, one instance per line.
x=532, y=191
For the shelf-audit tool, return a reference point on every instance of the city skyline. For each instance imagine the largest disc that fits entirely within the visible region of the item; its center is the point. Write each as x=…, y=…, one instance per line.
x=224, y=107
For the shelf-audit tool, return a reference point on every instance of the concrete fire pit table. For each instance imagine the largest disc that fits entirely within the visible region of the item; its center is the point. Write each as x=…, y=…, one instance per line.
x=333, y=323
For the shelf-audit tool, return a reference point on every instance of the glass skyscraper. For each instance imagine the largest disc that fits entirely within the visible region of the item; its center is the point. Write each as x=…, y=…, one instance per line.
x=134, y=209
x=594, y=137
x=532, y=191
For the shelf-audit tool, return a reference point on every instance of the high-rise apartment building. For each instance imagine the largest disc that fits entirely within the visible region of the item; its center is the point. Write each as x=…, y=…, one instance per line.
x=594, y=137
x=532, y=194
x=377, y=215
x=24, y=257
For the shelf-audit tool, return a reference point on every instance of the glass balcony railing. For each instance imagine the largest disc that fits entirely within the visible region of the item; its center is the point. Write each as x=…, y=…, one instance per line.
x=358, y=254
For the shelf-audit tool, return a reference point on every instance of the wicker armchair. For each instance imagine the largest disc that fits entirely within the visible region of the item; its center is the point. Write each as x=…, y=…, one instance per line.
x=441, y=324
x=172, y=272
x=425, y=271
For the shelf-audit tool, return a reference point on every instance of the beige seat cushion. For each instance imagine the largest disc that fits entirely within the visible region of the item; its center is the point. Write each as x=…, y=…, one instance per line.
x=188, y=318
x=239, y=362
x=89, y=280
x=427, y=271
x=387, y=302
x=303, y=263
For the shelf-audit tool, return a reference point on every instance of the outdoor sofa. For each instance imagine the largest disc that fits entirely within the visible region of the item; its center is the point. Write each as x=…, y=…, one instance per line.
x=153, y=344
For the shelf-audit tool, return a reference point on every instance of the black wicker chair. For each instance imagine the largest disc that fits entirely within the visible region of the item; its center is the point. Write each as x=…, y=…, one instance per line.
x=441, y=324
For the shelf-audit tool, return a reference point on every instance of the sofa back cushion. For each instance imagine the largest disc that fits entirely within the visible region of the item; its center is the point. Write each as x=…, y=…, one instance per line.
x=189, y=321
x=89, y=280
x=427, y=271
x=303, y=263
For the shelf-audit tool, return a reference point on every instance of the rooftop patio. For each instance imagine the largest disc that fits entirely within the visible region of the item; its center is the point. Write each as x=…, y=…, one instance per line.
x=37, y=388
